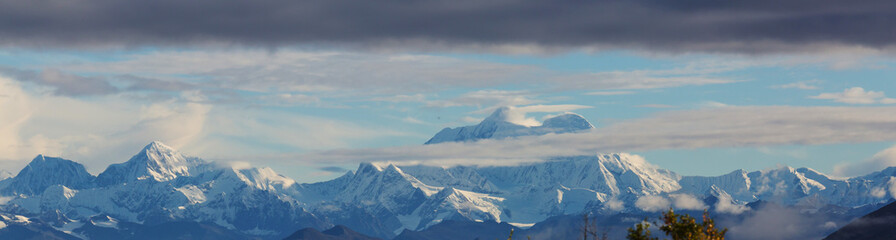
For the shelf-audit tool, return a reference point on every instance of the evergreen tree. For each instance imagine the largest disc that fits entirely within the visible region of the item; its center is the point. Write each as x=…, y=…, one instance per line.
x=680, y=227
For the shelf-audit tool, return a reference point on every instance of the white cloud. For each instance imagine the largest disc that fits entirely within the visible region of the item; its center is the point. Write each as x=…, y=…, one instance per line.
x=856, y=95
x=16, y=112
x=878, y=192
x=614, y=205
x=518, y=115
x=652, y=203
x=880, y=160
x=805, y=85
x=725, y=205
x=881, y=191
x=687, y=202
x=95, y=132
x=892, y=187
x=775, y=222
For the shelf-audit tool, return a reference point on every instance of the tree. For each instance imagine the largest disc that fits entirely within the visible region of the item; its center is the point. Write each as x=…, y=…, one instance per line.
x=680, y=227
x=589, y=228
x=640, y=232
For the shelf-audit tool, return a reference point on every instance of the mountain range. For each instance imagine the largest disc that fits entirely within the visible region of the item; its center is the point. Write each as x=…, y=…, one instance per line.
x=161, y=188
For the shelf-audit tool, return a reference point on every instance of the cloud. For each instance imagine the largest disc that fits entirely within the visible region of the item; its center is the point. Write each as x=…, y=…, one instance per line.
x=686, y=129
x=379, y=76
x=880, y=160
x=491, y=99
x=637, y=80
x=857, y=95
x=108, y=129
x=63, y=83
x=334, y=169
x=401, y=98
x=413, y=120
x=151, y=84
x=652, y=203
x=805, y=85
x=518, y=115
x=614, y=205
x=725, y=205
x=687, y=202
x=96, y=132
x=287, y=99
x=656, y=106
x=609, y=93
x=881, y=191
x=761, y=26
x=776, y=222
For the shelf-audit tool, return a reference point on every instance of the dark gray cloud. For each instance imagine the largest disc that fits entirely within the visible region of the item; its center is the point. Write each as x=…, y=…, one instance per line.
x=702, y=25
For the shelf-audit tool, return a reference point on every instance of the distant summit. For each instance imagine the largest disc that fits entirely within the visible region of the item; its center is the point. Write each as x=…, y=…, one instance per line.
x=497, y=126
x=44, y=172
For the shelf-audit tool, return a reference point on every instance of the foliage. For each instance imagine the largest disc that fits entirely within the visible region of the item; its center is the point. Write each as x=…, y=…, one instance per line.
x=640, y=232
x=680, y=227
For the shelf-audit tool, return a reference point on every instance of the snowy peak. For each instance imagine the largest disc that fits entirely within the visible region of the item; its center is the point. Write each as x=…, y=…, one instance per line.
x=44, y=172
x=567, y=122
x=156, y=161
x=607, y=173
x=498, y=126
x=499, y=115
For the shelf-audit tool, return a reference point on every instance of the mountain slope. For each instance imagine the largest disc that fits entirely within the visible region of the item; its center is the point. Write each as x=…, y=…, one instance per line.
x=875, y=225
x=156, y=162
x=338, y=232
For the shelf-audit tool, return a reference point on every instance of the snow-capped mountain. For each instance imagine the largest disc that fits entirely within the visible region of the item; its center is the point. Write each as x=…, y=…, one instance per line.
x=160, y=186
x=44, y=172
x=497, y=126
x=156, y=161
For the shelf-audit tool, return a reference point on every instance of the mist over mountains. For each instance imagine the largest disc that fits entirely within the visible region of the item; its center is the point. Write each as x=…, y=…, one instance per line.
x=159, y=187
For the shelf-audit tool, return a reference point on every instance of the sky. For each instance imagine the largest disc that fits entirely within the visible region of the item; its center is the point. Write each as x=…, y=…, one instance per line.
x=312, y=88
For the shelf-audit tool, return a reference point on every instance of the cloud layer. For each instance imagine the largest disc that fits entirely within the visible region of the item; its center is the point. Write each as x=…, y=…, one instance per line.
x=704, y=25
x=714, y=127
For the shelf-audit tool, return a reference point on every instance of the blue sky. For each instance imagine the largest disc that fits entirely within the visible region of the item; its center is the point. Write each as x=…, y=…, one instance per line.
x=286, y=107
